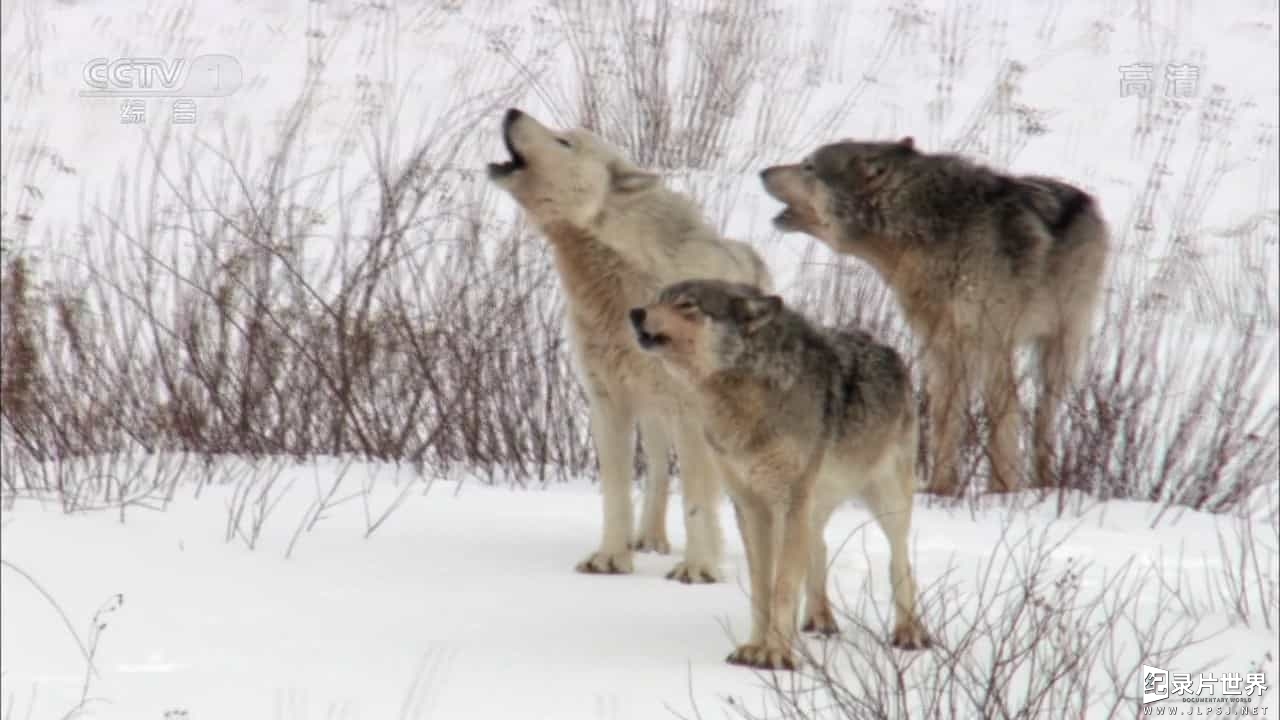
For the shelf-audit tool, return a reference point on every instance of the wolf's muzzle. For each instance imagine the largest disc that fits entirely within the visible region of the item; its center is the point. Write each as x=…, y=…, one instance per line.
x=646, y=339
x=517, y=162
x=510, y=119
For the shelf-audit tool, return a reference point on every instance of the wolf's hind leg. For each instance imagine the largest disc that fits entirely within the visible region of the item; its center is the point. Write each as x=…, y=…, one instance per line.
x=1058, y=359
x=818, y=615
x=890, y=500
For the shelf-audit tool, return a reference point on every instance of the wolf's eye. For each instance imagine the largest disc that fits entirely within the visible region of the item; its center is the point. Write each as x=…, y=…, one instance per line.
x=564, y=142
x=686, y=306
x=807, y=165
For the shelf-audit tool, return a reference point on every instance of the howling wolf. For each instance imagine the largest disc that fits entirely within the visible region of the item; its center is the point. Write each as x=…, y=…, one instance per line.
x=981, y=262
x=801, y=417
x=618, y=235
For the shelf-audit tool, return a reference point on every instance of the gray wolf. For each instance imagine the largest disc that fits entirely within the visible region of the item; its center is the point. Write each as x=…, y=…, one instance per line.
x=617, y=235
x=981, y=262
x=802, y=418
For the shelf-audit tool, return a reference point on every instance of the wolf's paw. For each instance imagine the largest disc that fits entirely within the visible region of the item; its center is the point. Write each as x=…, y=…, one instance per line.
x=599, y=563
x=690, y=573
x=651, y=543
x=762, y=657
x=910, y=636
x=821, y=622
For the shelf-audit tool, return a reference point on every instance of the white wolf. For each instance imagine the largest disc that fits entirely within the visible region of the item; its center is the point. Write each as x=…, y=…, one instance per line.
x=618, y=235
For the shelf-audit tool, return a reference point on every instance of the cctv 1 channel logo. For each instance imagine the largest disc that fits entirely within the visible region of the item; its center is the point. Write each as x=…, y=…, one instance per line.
x=135, y=77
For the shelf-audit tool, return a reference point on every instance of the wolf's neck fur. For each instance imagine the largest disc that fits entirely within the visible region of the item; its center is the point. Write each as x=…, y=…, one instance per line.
x=597, y=278
x=737, y=408
x=750, y=421
x=894, y=251
x=877, y=249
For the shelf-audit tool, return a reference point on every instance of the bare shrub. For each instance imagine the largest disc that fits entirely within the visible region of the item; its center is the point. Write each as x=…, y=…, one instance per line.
x=119, y=481
x=253, y=499
x=692, y=86
x=1157, y=418
x=1248, y=586
x=19, y=361
x=216, y=309
x=633, y=99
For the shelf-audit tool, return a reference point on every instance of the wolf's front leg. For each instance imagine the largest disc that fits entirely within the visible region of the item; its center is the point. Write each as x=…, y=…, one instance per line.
x=651, y=536
x=793, y=563
x=756, y=525
x=700, y=481
x=613, y=430
x=892, y=506
x=1003, y=408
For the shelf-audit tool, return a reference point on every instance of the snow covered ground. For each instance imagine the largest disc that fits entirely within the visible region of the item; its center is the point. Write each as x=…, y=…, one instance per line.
x=462, y=604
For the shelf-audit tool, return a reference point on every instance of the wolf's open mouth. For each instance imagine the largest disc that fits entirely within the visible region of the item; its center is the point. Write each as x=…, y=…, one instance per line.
x=503, y=169
x=649, y=340
x=788, y=219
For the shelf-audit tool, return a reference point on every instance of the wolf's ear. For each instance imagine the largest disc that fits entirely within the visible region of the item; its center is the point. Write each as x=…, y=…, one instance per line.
x=754, y=313
x=907, y=143
x=632, y=180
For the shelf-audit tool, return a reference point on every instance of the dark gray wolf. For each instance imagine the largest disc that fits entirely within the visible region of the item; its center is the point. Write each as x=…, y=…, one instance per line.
x=982, y=262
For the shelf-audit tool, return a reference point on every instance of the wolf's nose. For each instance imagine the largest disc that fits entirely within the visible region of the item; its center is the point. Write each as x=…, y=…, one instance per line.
x=511, y=116
x=764, y=174
x=637, y=317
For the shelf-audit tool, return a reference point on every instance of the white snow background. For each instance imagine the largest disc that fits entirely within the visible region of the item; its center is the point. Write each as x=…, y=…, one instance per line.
x=461, y=602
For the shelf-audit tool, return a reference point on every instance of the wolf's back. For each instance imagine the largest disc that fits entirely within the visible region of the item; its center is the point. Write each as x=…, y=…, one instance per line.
x=1061, y=206
x=870, y=379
